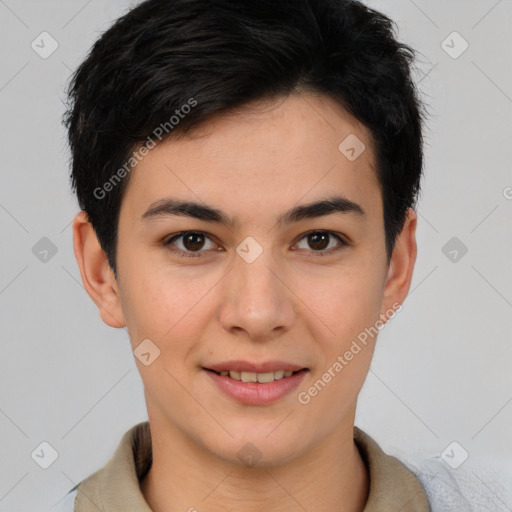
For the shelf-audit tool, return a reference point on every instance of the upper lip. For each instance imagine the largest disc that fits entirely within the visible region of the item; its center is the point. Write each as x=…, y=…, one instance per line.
x=247, y=366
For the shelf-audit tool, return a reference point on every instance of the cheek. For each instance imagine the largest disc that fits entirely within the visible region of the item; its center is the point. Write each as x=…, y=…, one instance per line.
x=165, y=305
x=150, y=304
x=350, y=307
x=343, y=303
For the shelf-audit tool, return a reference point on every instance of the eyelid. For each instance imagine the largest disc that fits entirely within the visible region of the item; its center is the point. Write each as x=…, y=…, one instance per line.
x=343, y=242
x=194, y=254
x=180, y=252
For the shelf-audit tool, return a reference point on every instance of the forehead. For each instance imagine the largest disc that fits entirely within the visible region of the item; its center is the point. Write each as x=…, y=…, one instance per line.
x=259, y=157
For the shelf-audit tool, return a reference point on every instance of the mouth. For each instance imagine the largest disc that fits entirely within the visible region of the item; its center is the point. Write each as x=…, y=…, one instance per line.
x=256, y=384
x=261, y=378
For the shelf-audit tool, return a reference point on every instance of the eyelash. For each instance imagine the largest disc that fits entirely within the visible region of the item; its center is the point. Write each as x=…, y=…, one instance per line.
x=196, y=254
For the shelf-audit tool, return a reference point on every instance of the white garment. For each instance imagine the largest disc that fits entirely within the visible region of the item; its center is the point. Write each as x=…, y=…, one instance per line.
x=66, y=503
x=461, y=490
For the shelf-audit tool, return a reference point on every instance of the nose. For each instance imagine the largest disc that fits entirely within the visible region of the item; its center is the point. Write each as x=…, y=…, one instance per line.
x=257, y=300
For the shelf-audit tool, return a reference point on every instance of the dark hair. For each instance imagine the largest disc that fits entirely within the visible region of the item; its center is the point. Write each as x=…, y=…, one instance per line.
x=213, y=56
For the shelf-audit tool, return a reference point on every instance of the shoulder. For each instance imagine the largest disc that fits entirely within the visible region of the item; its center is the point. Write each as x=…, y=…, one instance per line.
x=66, y=503
x=464, y=489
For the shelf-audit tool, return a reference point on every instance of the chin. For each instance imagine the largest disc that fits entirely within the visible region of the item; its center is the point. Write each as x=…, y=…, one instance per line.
x=258, y=448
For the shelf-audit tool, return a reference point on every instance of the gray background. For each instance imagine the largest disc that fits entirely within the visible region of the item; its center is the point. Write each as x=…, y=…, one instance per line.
x=441, y=371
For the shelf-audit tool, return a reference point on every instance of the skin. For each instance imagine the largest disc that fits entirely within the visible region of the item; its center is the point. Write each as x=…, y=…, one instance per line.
x=289, y=304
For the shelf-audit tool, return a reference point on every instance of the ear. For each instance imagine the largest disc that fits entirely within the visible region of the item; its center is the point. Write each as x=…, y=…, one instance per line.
x=97, y=276
x=401, y=266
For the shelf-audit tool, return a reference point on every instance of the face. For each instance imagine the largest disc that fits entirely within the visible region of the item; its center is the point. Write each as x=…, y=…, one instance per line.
x=255, y=279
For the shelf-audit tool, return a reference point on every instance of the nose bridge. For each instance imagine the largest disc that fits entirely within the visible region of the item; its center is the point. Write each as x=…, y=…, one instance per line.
x=257, y=301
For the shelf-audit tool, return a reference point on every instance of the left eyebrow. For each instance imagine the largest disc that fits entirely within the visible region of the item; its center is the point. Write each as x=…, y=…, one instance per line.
x=336, y=204
x=171, y=206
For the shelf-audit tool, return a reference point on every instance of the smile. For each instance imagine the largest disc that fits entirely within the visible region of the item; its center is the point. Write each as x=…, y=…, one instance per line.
x=256, y=388
x=256, y=377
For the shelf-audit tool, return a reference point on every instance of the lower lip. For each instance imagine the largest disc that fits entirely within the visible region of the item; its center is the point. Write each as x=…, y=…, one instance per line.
x=254, y=393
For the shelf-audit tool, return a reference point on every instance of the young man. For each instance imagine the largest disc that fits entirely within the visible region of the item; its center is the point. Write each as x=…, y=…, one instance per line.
x=247, y=173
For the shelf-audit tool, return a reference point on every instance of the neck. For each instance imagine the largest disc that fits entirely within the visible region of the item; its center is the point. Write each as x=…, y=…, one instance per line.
x=184, y=476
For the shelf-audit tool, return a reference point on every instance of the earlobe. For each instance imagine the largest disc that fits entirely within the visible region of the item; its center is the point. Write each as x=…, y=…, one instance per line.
x=97, y=276
x=402, y=262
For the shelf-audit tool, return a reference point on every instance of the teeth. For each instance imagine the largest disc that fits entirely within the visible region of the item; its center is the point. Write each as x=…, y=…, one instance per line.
x=248, y=377
x=256, y=377
x=265, y=377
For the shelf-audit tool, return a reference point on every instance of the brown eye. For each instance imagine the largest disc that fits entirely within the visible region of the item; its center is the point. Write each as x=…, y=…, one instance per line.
x=189, y=243
x=321, y=242
x=193, y=241
x=318, y=241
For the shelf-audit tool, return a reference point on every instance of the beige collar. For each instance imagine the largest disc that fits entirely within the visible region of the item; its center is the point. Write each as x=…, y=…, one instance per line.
x=115, y=487
x=393, y=487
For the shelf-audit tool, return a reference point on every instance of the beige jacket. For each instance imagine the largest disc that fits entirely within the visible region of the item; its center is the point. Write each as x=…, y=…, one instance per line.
x=115, y=487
